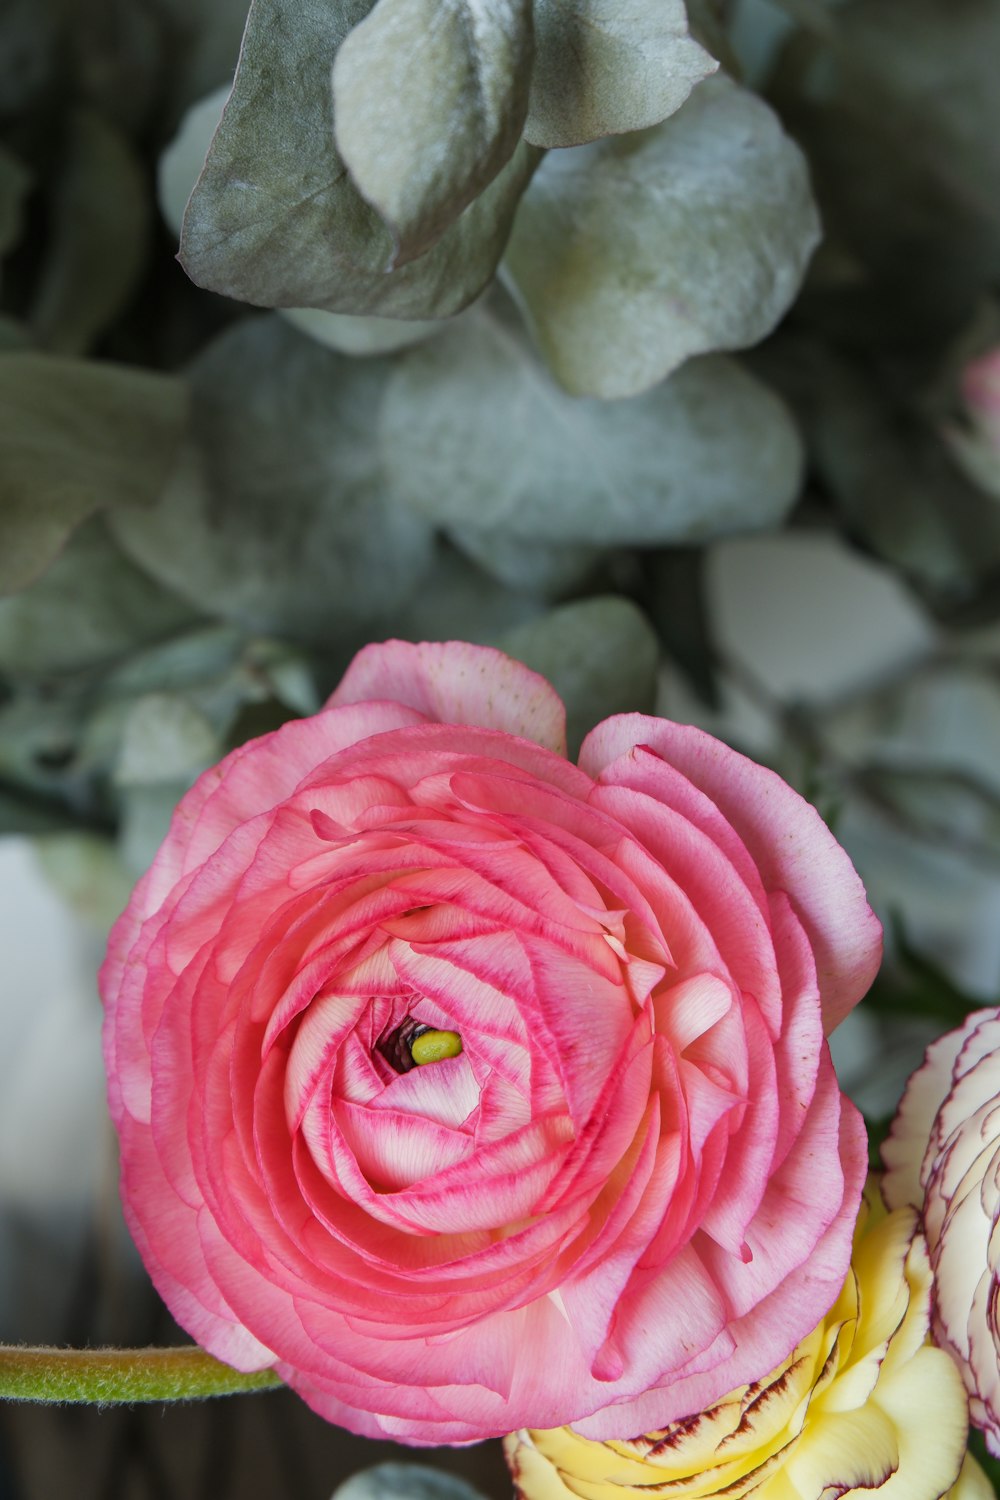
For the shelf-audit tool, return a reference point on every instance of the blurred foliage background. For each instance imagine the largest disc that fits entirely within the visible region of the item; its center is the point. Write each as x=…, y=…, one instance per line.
x=691, y=412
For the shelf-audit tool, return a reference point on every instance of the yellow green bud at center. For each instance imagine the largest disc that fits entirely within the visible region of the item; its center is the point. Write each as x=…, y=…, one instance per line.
x=435, y=1046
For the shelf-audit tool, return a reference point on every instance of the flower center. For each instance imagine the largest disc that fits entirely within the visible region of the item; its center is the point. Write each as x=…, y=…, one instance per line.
x=434, y=1046
x=411, y=1044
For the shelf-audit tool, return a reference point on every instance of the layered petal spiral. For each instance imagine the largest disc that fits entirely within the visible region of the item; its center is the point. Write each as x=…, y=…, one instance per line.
x=445, y=1070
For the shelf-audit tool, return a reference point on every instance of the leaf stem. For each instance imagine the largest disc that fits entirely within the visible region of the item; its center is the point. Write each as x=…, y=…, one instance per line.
x=104, y=1376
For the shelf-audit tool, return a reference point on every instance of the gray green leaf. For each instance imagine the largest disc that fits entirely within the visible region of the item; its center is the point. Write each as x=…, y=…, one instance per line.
x=76, y=435
x=278, y=517
x=177, y=173
x=429, y=99
x=87, y=873
x=404, y=1481
x=476, y=434
x=887, y=472
x=89, y=607
x=360, y=335
x=635, y=253
x=604, y=67
x=456, y=601
x=165, y=737
x=275, y=218
x=600, y=655
x=549, y=570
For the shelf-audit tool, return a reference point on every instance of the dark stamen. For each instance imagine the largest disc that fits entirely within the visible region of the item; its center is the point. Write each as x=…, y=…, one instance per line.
x=395, y=1045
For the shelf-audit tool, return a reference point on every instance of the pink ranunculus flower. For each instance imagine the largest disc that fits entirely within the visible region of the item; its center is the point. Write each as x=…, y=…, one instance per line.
x=942, y=1156
x=472, y=1090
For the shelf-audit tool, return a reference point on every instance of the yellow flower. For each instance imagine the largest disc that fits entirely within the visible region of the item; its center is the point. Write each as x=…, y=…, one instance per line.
x=864, y=1403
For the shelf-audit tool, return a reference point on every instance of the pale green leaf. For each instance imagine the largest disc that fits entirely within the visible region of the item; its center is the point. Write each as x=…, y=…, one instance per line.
x=220, y=672
x=278, y=518
x=476, y=434
x=547, y=569
x=90, y=606
x=456, y=601
x=604, y=67
x=177, y=174
x=887, y=472
x=181, y=162
x=600, y=655
x=275, y=218
x=41, y=757
x=633, y=254
x=360, y=335
x=145, y=810
x=404, y=1481
x=165, y=737
x=76, y=435
x=88, y=874
x=429, y=99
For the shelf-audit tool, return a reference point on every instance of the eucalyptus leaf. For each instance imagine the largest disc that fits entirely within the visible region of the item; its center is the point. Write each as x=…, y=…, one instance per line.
x=635, y=253
x=100, y=222
x=43, y=757
x=86, y=871
x=89, y=607
x=601, y=656
x=275, y=218
x=429, y=100
x=169, y=710
x=165, y=737
x=177, y=173
x=405, y=1481
x=181, y=162
x=360, y=335
x=278, y=516
x=457, y=601
x=888, y=473
x=604, y=67
x=146, y=810
x=945, y=808
x=220, y=670
x=76, y=435
x=476, y=434
x=546, y=569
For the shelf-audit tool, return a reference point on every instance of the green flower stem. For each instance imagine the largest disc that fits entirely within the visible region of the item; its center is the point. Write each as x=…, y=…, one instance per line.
x=102, y=1376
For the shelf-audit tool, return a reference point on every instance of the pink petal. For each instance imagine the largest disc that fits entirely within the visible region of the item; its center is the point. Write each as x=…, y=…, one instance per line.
x=788, y=841
x=453, y=682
